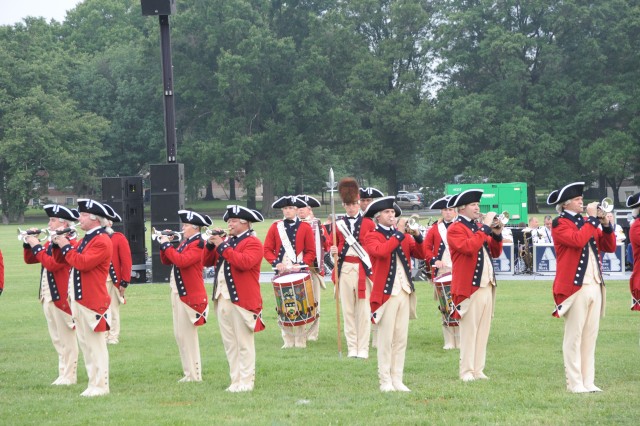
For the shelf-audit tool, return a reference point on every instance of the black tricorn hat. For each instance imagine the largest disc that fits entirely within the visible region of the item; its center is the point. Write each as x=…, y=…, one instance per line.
x=633, y=201
x=87, y=205
x=311, y=201
x=440, y=203
x=115, y=217
x=565, y=193
x=381, y=204
x=61, y=212
x=370, y=192
x=241, y=212
x=465, y=197
x=288, y=201
x=194, y=218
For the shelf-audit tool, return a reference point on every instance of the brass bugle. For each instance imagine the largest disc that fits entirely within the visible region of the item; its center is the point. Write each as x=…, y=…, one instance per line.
x=500, y=220
x=208, y=233
x=606, y=205
x=24, y=234
x=412, y=226
x=155, y=234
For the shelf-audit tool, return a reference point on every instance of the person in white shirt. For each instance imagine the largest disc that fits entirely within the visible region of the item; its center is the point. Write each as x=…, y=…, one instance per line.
x=617, y=229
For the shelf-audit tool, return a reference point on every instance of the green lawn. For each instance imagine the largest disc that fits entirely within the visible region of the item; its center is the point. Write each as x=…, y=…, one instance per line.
x=315, y=386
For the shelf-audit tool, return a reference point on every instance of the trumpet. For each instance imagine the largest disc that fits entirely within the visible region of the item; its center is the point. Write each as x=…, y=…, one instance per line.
x=155, y=234
x=22, y=235
x=412, y=227
x=500, y=220
x=208, y=233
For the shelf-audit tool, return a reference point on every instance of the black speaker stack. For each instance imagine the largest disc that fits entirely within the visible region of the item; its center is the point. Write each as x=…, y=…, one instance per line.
x=167, y=197
x=158, y=7
x=126, y=196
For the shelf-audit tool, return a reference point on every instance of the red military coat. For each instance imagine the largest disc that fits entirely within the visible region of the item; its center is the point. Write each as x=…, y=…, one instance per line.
x=434, y=247
x=90, y=260
x=381, y=246
x=466, y=241
x=243, y=256
x=120, y=270
x=57, y=272
x=634, y=281
x=571, y=243
x=302, y=235
x=187, y=272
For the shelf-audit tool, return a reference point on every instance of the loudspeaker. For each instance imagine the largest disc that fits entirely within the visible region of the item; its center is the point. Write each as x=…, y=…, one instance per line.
x=158, y=7
x=125, y=195
x=167, y=197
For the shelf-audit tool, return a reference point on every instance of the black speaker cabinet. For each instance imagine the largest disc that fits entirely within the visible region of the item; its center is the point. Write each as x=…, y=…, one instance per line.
x=158, y=7
x=125, y=195
x=167, y=197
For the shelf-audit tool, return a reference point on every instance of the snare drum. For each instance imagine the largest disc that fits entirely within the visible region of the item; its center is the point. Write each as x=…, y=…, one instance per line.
x=295, y=302
x=443, y=289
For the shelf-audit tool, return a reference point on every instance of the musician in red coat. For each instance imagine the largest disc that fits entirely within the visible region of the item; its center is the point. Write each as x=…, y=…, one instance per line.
x=393, y=301
x=353, y=271
x=367, y=196
x=578, y=288
x=189, y=301
x=297, y=252
x=90, y=299
x=54, y=285
x=438, y=258
x=473, y=280
x=119, y=274
x=321, y=245
x=236, y=292
x=633, y=202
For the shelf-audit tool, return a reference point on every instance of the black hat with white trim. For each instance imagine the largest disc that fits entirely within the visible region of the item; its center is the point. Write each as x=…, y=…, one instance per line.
x=241, y=212
x=566, y=193
x=633, y=201
x=465, y=197
x=61, y=212
x=288, y=201
x=370, y=192
x=381, y=204
x=440, y=203
x=194, y=218
x=115, y=217
x=87, y=205
x=311, y=201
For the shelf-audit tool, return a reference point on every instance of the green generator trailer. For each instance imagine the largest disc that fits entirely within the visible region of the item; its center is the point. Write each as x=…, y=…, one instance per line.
x=498, y=197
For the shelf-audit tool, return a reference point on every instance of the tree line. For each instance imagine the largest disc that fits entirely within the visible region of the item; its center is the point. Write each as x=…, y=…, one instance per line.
x=272, y=92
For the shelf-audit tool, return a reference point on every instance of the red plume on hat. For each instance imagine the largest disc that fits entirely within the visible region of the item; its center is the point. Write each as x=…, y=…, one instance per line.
x=349, y=190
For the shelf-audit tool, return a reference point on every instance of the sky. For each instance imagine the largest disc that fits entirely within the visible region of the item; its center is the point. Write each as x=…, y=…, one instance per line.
x=12, y=11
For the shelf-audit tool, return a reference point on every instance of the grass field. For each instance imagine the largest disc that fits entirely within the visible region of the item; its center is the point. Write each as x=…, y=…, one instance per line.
x=314, y=385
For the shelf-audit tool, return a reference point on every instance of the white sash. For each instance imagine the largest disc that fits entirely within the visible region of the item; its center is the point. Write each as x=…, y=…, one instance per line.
x=288, y=249
x=351, y=240
x=446, y=256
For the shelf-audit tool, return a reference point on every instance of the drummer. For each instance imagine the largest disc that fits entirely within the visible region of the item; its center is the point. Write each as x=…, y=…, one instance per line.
x=320, y=246
x=438, y=258
x=289, y=247
x=367, y=196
